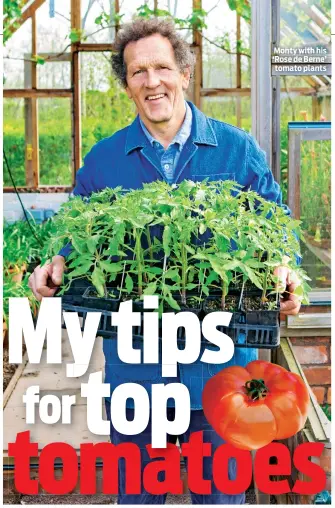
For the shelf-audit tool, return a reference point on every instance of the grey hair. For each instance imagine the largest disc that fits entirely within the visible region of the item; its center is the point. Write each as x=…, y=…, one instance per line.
x=141, y=28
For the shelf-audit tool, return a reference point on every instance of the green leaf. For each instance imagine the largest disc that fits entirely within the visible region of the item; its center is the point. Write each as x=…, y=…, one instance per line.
x=189, y=249
x=191, y=286
x=150, y=289
x=111, y=267
x=252, y=276
x=154, y=269
x=80, y=245
x=129, y=283
x=80, y=260
x=167, y=240
x=98, y=280
x=76, y=35
x=205, y=290
x=81, y=270
x=92, y=242
x=38, y=59
x=172, y=302
x=171, y=273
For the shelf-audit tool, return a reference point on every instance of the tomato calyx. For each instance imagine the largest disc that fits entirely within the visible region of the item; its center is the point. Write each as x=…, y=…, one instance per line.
x=256, y=389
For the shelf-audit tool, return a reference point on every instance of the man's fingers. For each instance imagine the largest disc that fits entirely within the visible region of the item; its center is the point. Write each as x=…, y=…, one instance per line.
x=57, y=270
x=32, y=285
x=286, y=305
x=46, y=291
x=291, y=306
x=282, y=273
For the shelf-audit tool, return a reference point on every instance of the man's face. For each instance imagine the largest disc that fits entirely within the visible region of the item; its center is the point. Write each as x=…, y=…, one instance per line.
x=154, y=81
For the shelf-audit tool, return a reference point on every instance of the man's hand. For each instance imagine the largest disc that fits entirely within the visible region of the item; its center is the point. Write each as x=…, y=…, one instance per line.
x=46, y=279
x=287, y=283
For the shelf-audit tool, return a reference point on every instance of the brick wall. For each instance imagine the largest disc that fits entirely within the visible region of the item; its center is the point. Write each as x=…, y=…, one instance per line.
x=314, y=355
x=12, y=210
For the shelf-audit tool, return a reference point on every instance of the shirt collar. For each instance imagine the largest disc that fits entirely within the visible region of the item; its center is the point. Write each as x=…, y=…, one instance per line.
x=201, y=131
x=182, y=135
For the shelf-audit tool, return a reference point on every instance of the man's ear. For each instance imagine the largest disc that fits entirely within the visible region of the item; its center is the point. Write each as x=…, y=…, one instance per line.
x=128, y=93
x=186, y=78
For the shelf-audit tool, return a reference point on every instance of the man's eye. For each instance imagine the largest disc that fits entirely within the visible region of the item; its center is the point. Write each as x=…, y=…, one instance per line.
x=138, y=72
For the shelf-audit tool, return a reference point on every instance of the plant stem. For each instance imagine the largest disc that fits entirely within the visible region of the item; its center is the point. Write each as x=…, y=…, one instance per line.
x=264, y=299
x=147, y=231
x=223, y=298
x=138, y=249
x=183, y=274
x=122, y=279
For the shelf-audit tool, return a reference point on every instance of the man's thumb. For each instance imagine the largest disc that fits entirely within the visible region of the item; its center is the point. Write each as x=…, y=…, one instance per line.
x=57, y=271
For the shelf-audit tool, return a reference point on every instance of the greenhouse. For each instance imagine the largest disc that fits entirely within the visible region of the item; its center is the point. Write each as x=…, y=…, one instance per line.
x=213, y=235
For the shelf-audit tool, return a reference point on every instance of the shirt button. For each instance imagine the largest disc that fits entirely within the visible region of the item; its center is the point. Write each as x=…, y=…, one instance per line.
x=166, y=166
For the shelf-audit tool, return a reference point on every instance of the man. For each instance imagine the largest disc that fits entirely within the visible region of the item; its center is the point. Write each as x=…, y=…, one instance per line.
x=171, y=140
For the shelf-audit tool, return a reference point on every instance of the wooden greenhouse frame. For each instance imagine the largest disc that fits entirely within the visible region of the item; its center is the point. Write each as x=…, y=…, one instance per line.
x=31, y=93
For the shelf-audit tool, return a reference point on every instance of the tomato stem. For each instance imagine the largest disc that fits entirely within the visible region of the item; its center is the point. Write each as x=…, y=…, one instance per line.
x=256, y=389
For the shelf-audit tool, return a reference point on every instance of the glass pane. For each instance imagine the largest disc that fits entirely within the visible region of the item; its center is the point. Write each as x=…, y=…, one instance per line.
x=105, y=105
x=229, y=110
x=90, y=11
x=53, y=31
x=315, y=171
x=295, y=107
x=219, y=65
x=54, y=75
x=54, y=117
x=219, y=68
x=16, y=50
x=304, y=22
x=14, y=141
x=315, y=209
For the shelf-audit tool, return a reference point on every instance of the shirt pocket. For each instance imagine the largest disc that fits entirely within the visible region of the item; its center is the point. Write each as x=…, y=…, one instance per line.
x=210, y=176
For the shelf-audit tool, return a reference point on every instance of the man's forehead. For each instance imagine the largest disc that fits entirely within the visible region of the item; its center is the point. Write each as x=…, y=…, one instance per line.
x=148, y=51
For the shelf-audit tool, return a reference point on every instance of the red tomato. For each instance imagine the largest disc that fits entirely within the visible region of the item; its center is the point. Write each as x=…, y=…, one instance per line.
x=250, y=407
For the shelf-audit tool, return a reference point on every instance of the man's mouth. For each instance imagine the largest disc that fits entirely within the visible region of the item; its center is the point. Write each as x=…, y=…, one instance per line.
x=155, y=97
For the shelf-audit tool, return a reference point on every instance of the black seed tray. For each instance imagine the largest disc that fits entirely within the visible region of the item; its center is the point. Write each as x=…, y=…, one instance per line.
x=106, y=329
x=243, y=335
x=253, y=336
x=101, y=303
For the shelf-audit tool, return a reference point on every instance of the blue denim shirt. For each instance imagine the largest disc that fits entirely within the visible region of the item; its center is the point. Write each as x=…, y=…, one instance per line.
x=169, y=158
x=214, y=150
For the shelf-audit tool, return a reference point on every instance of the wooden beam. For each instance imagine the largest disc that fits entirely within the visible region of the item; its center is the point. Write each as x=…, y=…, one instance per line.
x=197, y=41
x=26, y=93
x=35, y=162
x=91, y=47
x=117, y=11
x=222, y=92
x=26, y=15
x=75, y=84
x=42, y=189
x=294, y=149
x=238, y=71
x=55, y=57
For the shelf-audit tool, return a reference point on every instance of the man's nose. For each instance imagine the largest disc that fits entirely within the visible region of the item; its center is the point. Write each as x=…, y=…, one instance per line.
x=153, y=79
